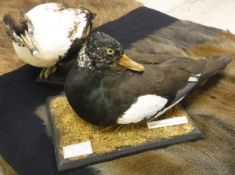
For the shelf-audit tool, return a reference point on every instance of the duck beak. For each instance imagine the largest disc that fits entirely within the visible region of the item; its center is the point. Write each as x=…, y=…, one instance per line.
x=29, y=43
x=130, y=64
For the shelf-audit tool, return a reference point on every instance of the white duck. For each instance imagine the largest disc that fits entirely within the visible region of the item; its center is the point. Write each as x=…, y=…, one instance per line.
x=47, y=34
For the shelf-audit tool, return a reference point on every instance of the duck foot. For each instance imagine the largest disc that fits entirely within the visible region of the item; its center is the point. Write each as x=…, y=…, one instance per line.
x=46, y=72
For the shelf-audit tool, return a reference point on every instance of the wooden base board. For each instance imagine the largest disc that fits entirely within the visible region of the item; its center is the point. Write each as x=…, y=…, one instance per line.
x=156, y=143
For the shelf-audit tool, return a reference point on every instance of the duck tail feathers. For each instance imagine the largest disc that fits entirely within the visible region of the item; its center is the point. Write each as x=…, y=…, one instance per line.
x=213, y=66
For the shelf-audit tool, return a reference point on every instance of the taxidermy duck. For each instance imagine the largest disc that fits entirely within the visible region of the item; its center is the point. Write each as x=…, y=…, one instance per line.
x=48, y=34
x=105, y=87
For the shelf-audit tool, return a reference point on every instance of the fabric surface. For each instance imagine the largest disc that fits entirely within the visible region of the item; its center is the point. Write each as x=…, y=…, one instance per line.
x=24, y=142
x=25, y=145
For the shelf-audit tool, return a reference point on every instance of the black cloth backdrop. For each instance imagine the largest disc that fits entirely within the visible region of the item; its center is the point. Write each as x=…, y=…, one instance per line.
x=24, y=143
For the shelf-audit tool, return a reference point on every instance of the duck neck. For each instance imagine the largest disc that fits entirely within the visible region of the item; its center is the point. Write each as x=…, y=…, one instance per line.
x=83, y=60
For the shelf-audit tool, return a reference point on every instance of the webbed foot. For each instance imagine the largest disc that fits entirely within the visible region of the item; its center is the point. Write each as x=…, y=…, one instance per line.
x=46, y=72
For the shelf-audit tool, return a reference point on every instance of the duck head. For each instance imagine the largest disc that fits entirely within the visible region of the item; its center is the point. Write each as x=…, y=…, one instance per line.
x=19, y=27
x=102, y=51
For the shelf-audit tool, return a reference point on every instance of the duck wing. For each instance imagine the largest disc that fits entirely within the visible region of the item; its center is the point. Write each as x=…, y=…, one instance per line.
x=167, y=79
x=197, y=72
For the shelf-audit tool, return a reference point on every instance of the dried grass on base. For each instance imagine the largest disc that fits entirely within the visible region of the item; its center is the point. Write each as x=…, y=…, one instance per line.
x=5, y=168
x=72, y=129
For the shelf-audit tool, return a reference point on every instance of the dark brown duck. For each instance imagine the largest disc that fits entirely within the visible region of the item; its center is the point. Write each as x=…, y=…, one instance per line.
x=105, y=87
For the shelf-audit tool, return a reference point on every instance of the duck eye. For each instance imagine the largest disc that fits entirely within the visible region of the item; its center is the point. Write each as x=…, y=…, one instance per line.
x=110, y=51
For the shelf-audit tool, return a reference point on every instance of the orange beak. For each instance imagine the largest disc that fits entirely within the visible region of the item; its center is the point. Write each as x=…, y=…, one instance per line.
x=130, y=64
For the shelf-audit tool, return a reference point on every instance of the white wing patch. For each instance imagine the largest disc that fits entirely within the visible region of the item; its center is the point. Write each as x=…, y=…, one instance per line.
x=167, y=108
x=145, y=107
x=194, y=78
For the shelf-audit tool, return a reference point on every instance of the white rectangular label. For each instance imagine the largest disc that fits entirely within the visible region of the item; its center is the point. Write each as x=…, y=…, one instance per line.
x=167, y=122
x=75, y=150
